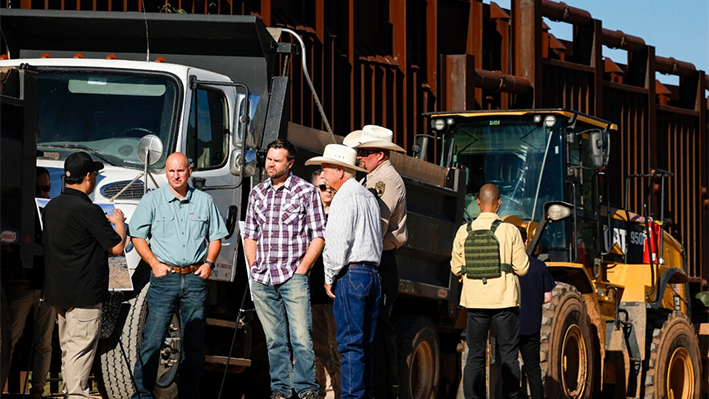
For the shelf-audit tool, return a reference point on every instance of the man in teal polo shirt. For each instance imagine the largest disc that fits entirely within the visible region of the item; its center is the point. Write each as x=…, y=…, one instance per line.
x=185, y=231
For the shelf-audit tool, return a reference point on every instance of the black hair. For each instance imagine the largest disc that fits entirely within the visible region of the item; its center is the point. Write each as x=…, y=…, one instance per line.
x=42, y=171
x=285, y=145
x=73, y=179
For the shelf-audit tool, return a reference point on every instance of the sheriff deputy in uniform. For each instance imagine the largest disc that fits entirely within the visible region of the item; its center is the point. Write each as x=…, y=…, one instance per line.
x=374, y=144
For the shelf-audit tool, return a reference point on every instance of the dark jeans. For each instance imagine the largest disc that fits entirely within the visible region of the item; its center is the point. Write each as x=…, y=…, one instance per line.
x=506, y=322
x=386, y=376
x=356, y=307
x=188, y=292
x=529, y=349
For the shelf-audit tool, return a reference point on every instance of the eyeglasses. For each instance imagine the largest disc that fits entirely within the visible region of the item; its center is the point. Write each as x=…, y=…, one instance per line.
x=45, y=188
x=324, y=187
x=365, y=153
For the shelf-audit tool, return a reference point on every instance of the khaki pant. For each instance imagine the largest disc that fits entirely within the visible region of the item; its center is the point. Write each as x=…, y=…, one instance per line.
x=22, y=302
x=78, y=336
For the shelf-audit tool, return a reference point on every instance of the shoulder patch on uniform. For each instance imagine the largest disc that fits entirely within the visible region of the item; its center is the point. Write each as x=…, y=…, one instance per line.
x=380, y=186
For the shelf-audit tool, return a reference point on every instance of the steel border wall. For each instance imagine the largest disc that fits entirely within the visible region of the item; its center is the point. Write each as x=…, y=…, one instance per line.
x=387, y=62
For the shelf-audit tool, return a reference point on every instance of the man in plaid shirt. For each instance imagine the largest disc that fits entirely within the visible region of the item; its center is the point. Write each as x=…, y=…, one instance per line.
x=283, y=237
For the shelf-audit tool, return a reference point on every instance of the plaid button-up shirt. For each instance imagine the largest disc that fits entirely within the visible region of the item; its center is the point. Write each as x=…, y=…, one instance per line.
x=283, y=222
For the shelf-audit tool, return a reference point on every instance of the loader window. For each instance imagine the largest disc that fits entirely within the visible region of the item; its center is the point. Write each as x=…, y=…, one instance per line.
x=523, y=159
x=208, y=130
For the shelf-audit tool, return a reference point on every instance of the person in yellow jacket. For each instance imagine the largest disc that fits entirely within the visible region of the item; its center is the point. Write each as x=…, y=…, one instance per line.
x=491, y=300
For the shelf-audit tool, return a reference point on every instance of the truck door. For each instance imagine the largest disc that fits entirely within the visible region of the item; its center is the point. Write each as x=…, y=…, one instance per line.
x=207, y=142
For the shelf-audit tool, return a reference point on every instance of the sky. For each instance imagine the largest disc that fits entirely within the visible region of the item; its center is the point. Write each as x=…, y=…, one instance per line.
x=678, y=29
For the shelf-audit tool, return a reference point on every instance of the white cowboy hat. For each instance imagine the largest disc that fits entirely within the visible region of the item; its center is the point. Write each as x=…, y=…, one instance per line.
x=337, y=154
x=372, y=136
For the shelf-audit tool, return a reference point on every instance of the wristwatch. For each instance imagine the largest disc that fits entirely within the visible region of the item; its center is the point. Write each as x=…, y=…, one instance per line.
x=211, y=264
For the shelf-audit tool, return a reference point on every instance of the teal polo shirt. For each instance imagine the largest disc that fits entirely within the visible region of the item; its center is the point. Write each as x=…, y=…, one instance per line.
x=179, y=230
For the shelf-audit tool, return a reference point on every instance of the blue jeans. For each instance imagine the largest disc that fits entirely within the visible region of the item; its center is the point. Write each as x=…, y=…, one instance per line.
x=165, y=294
x=284, y=309
x=356, y=308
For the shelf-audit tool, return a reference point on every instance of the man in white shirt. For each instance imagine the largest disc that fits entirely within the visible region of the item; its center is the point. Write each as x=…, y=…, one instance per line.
x=353, y=248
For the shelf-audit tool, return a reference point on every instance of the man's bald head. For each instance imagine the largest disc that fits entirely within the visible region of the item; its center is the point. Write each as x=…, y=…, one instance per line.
x=178, y=172
x=177, y=159
x=489, y=194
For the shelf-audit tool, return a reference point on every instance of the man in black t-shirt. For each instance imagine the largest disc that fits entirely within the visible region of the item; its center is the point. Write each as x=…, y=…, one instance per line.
x=77, y=240
x=535, y=288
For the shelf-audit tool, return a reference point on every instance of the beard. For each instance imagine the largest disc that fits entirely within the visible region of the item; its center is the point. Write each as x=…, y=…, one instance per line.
x=276, y=173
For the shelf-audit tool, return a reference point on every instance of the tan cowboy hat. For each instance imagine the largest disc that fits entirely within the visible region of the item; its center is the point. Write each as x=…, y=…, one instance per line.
x=372, y=136
x=337, y=154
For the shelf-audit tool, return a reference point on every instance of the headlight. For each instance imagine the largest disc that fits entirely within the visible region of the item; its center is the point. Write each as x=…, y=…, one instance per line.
x=550, y=121
x=438, y=124
x=558, y=212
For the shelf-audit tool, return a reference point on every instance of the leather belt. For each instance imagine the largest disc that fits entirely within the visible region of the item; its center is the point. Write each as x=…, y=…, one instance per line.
x=345, y=269
x=185, y=269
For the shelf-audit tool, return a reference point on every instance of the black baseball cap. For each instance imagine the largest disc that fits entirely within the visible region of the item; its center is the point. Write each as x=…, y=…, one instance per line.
x=79, y=164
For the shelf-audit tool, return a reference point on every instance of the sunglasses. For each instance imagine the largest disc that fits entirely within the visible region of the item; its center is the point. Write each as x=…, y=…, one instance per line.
x=324, y=187
x=366, y=153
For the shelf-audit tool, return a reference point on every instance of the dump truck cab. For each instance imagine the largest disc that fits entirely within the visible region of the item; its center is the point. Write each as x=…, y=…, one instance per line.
x=106, y=107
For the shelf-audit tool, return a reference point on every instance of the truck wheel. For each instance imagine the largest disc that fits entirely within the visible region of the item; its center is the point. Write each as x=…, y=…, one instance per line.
x=674, y=368
x=419, y=357
x=120, y=351
x=567, y=355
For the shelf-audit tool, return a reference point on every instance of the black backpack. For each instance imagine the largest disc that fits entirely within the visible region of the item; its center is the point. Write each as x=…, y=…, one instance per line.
x=482, y=253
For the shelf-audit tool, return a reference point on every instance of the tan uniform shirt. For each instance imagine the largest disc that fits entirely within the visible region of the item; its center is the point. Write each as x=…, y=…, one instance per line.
x=391, y=193
x=500, y=292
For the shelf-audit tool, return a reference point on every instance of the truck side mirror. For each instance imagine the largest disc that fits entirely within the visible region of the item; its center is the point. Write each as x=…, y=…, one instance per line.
x=242, y=162
x=149, y=149
x=600, y=148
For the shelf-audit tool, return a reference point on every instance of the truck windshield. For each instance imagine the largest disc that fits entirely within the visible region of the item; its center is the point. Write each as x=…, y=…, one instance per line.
x=105, y=113
x=524, y=160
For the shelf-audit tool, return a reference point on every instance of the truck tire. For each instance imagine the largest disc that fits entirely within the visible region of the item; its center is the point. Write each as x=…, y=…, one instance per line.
x=566, y=352
x=419, y=357
x=673, y=369
x=120, y=351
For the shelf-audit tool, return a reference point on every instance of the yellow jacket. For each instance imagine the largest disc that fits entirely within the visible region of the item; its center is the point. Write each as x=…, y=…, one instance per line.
x=500, y=292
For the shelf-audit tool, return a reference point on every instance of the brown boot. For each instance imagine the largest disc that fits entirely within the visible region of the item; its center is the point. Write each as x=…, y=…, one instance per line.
x=36, y=393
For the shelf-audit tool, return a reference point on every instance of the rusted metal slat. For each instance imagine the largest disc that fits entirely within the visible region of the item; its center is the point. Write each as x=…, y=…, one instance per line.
x=527, y=28
x=351, y=62
x=475, y=42
x=703, y=179
x=599, y=68
x=652, y=136
x=432, y=44
x=397, y=17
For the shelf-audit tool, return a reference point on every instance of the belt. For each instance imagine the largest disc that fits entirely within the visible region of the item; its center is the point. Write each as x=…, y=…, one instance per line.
x=184, y=269
x=363, y=263
x=345, y=269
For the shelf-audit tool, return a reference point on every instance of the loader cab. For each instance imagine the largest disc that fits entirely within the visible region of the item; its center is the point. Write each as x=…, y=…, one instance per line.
x=533, y=157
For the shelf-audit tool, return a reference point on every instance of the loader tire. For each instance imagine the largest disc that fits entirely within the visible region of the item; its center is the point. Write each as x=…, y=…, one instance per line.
x=120, y=351
x=673, y=370
x=419, y=356
x=566, y=352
